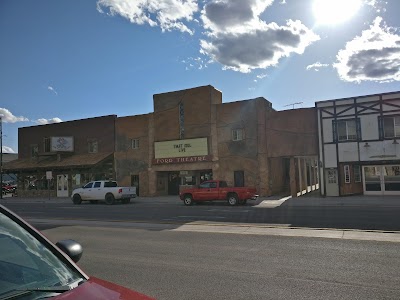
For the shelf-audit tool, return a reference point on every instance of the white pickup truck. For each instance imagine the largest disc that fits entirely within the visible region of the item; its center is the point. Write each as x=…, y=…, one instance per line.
x=109, y=191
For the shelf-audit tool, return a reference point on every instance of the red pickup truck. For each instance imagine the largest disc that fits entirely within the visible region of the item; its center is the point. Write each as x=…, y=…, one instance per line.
x=217, y=190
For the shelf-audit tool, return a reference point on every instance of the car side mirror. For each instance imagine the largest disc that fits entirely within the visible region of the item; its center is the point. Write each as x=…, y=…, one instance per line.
x=72, y=248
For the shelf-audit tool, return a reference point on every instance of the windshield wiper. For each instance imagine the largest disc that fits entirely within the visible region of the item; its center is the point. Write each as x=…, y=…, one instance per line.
x=51, y=289
x=22, y=292
x=56, y=289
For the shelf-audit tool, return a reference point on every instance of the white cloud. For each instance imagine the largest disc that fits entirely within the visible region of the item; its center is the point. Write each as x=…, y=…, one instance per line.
x=48, y=121
x=239, y=40
x=50, y=88
x=195, y=63
x=8, y=117
x=316, y=66
x=261, y=76
x=260, y=48
x=7, y=149
x=378, y=5
x=168, y=14
x=233, y=15
x=373, y=56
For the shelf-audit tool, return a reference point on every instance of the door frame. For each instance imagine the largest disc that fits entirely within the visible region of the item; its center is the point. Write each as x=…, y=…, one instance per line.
x=382, y=192
x=64, y=184
x=332, y=189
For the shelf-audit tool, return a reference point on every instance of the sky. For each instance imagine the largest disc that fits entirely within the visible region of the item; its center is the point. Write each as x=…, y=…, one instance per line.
x=72, y=59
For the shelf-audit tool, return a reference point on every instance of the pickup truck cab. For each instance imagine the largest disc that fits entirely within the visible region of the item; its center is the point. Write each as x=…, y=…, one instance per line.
x=100, y=190
x=218, y=190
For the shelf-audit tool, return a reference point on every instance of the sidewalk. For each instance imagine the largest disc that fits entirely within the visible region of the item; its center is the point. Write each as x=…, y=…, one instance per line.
x=360, y=200
x=314, y=199
x=267, y=202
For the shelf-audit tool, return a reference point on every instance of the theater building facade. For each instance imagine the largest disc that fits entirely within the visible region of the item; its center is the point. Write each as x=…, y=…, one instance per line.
x=191, y=136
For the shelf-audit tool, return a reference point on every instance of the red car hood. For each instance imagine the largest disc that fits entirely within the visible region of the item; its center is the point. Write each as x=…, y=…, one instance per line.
x=99, y=289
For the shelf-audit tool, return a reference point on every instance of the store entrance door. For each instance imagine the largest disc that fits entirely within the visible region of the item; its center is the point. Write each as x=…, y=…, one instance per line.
x=173, y=183
x=332, y=186
x=381, y=180
x=62, y=186
x=135, y=183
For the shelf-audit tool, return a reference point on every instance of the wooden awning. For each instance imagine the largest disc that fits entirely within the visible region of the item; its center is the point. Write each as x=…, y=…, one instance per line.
x=53, y=162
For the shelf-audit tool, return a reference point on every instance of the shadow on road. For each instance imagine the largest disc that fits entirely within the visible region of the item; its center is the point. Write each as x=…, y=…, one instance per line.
x=359, y=212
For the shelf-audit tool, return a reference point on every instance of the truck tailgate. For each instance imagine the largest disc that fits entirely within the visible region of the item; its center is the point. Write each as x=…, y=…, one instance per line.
x=129, y=192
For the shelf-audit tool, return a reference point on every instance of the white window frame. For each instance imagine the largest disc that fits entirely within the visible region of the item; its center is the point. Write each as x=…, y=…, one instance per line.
x=353, y=138
x=395, y=124
x=135, y=144
x=237, y=134
x=357, y=173
x=347, y=177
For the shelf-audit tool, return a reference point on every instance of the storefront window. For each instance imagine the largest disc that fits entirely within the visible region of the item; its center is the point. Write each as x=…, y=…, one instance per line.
x=38, y=182
x=204, y=176
x=189, y=180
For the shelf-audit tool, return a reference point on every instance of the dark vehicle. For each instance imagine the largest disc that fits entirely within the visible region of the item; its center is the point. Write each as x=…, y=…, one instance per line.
x=31, y=267
x=218, y=190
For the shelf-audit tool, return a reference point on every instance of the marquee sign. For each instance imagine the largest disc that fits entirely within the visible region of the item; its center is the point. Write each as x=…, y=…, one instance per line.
x=181, y=148
x=181, y=160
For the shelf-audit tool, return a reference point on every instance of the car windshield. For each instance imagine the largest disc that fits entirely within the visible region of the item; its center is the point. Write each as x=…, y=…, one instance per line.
x=26, y=263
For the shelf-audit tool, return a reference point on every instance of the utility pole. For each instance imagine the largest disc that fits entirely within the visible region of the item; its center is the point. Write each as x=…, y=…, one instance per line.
x=1, y=155
x=293, y=104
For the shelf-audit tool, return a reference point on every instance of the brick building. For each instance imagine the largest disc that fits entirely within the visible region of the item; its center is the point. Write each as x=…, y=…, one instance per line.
x=190, y=137
x=75, y=152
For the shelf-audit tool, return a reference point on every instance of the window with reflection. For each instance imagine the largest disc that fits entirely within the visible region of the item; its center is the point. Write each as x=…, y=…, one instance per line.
x=347, y=130
x=391, y=127
x=26, y=263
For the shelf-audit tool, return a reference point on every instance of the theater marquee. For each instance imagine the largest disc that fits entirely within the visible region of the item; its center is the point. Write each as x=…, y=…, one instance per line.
x=181, y=151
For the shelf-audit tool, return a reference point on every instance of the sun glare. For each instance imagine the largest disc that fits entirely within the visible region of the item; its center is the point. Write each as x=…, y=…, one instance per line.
x=335, y=11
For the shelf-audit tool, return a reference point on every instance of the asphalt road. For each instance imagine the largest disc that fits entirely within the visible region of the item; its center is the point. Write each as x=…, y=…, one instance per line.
x=168, y=264
x=365, y=215
x=169, y=259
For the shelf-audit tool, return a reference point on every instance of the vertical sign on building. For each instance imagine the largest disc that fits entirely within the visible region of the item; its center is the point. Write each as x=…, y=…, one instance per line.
x=181, y=121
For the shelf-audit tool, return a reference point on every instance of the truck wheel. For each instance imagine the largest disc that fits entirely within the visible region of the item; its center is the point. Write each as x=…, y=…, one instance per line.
x=76, y=199
x=232, y=199
x=188, y=200
x=110, y=199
